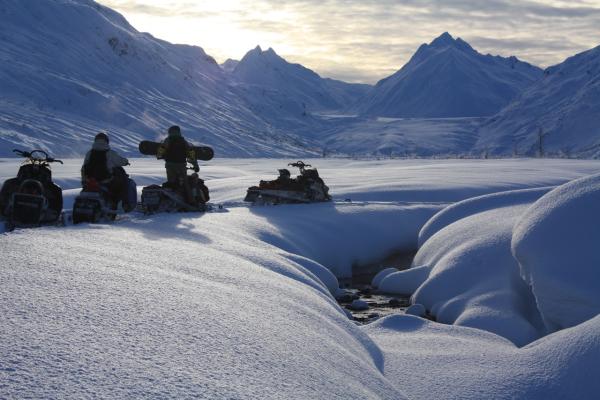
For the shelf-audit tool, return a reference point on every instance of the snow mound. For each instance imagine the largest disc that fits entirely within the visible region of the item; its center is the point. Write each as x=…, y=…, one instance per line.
x=556, y=245
x=436, y=361
x=381, y=275
x=417, y=310
x=176, y=306
x=404, y=282
x=467, y=275
x=475, y=205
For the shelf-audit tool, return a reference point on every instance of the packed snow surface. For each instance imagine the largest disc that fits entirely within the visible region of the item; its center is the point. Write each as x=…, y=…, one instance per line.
x=238, y=304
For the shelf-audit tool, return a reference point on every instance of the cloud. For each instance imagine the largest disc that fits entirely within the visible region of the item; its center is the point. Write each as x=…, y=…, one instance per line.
x=365, y=40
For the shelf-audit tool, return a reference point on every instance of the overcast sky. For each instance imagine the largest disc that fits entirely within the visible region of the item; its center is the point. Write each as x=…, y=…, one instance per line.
x=366, y=40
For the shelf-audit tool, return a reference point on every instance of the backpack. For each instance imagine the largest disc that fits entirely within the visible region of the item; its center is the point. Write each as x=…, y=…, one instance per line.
x=176, y=150
x=96, y=166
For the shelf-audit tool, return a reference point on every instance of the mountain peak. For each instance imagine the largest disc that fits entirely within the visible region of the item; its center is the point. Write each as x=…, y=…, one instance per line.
x=443, y=71
x=258, y=51
x=444, y=39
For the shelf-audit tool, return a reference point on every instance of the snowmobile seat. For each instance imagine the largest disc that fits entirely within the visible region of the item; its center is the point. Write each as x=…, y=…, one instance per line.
x=31, y=186
x=35, y=171
x=311, y=173
x=284, y=174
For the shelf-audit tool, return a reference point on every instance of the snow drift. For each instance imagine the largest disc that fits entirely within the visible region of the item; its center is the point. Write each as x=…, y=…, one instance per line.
x=466, y=273
x=556, y=244
x=177, y=306
x=521, y=264
x=237, y=303
x=509, y=263
x=436, y=361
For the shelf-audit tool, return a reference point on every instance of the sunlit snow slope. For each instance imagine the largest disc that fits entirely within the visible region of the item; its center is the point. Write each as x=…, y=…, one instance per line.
x=72, y=68
x=564, y=106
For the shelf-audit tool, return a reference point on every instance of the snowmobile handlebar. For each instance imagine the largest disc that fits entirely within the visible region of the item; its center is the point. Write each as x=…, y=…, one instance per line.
x=33, y=156
x=299, y=164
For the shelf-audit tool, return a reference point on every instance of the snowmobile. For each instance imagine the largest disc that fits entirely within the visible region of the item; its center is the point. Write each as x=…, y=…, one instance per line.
x=96, y=203
x=307, y=187
x=32, y=198
x=191, y=195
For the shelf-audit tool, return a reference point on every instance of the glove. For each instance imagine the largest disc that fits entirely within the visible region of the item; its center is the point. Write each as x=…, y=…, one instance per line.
x=160, y=152
x=196, y=168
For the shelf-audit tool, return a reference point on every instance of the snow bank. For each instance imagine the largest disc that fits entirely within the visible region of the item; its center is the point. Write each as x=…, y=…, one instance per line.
x=475, y=268
x=404, y=282
x=343, y=236
x=476, y=205
x=382, y=274
x=556, y=244
x=175, y=306
x=237, y=304
x=436, y=361
x=466, y=273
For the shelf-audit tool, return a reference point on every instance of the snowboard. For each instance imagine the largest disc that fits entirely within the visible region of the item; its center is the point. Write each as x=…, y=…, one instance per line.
x=203, y=153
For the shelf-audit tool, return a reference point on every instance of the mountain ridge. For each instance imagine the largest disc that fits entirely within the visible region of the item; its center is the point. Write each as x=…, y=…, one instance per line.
x=564, y=105
x=448, y=78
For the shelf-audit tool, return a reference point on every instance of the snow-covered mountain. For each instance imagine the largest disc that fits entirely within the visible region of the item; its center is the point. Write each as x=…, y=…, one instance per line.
x=564, y=105
x=229, y=65
x=448, y=78
x=265, y=72
x=71, y=68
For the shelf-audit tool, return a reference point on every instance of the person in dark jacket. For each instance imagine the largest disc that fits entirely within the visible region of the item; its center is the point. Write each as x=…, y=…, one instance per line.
x=176, y=152
x=105, y=166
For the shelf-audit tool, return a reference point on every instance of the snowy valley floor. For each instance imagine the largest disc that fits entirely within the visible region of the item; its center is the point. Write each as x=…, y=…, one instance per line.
x=238, y=303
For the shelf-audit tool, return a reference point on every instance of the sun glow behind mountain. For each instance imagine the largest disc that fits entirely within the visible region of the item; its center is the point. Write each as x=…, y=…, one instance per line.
x=364, y=41
x=225, y=29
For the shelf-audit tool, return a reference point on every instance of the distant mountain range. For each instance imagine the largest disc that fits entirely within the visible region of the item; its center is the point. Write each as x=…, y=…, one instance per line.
x=267, y=70
x=71, y=68
x=448, y=78
x=563, y=108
